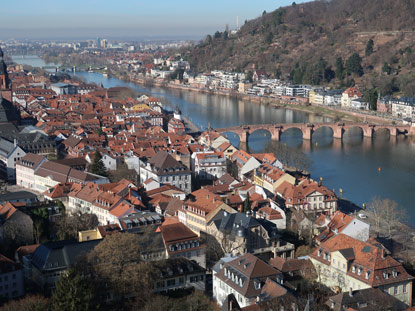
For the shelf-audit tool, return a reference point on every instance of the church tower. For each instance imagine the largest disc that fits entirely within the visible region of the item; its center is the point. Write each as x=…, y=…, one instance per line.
x=5, y=83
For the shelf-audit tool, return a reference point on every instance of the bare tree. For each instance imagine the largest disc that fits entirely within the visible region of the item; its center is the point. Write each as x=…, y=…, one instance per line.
x=386, y=211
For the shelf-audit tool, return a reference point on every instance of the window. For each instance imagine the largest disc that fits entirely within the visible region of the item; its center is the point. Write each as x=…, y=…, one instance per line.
x=404, y=289
x=395, y=290
x=171, y=282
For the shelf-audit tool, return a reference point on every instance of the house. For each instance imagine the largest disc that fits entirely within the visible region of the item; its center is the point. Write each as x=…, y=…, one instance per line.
x=163, y=168
x=51, y=260
x=245, y=162
x=26, y=168
x=227, y=149
x=50, y=174
x=208, y=165
x=269, y=159
x=176, y=126
x=201, y=206
x=349, y=95
x=11, y=279
x=20, y=197
x=245, y=277
x=10, y=154
x=346, y=224
x=180, y=241
x=404, y=107
x=309, y=196
x=239, y=233
x=274, y=214
x=178, y=273
x=108, y=201
x=297, y=272
x=64, y=88
x=370, y=299
x=16, y=227
x=270, y=177
x=344, y=263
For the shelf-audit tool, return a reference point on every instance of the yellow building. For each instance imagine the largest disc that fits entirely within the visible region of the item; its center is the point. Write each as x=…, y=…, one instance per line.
x=140, y=107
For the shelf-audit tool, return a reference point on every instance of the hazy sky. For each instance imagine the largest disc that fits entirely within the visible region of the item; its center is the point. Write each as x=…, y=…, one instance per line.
x=126, y=18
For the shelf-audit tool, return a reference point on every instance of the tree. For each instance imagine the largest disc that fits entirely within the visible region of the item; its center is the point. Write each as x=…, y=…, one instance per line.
x=269, y=37
x=247, y=204
x=217, y=35
x=208, y=39
x=232, y=168
x=386, y=211
x=386, y=68
x=40, y=217
x=116, y=262
x=371, y=96
x=369, y=48
x=98, y=166
x=72, y=293
x=225, y=35
x=353, y=65
x=28, y=303
x=339, y=68
x=67, y=226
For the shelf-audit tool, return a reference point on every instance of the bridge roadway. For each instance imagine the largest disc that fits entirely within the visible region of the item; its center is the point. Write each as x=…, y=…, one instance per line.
x=338, y=129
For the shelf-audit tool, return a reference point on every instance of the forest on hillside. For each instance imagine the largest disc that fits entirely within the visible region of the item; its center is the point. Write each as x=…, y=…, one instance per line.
x=339, y=43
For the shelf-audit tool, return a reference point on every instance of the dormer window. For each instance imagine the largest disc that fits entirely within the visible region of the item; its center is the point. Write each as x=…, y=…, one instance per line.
x=394, y=273
x=319, y=253
x=354, y=269
x=385, y=275
x=325, y=256
x=359, y=271
x=367, y=276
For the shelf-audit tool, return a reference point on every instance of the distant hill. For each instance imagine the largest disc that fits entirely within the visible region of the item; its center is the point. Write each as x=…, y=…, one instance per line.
x=317, y=42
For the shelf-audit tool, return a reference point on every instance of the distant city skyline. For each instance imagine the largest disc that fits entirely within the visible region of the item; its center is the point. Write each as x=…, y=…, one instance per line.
x=127, y=19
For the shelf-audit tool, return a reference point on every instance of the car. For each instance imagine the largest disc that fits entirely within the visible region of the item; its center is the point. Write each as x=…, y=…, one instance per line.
x=363, y=216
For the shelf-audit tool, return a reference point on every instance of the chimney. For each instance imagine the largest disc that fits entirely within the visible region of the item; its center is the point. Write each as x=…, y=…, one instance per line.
x=382, y=252
x=15, y=142
x=350, y=292
x=230, y=304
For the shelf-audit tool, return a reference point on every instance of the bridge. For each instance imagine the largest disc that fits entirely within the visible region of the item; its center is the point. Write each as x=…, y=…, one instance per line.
x=307, y=129
x=59, y=68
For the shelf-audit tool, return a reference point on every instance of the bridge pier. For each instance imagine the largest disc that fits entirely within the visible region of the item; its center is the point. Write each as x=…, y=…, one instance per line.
x=338, y=132
x=368, y=131
x=308, y=133
x=276, y=134
x=243, y=137
x=393, y=131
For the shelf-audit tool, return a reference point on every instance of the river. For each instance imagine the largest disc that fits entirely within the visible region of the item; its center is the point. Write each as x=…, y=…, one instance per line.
x=363, y=168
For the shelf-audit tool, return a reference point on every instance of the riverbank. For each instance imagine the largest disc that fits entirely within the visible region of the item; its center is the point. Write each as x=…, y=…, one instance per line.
x=335, y=114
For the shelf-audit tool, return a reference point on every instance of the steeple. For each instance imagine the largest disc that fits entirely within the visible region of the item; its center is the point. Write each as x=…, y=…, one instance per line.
x=1, y=54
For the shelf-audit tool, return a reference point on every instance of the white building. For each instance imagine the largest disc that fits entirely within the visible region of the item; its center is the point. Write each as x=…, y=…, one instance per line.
x=165, y=169
x=208, y=165
x=26, y=168
x=10, y=153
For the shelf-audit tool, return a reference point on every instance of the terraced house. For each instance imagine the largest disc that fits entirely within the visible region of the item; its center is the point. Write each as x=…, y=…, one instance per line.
x=309, y=196
x=344, y=263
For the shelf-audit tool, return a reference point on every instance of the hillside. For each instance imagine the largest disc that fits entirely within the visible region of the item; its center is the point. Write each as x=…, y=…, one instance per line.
x=312, y=43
